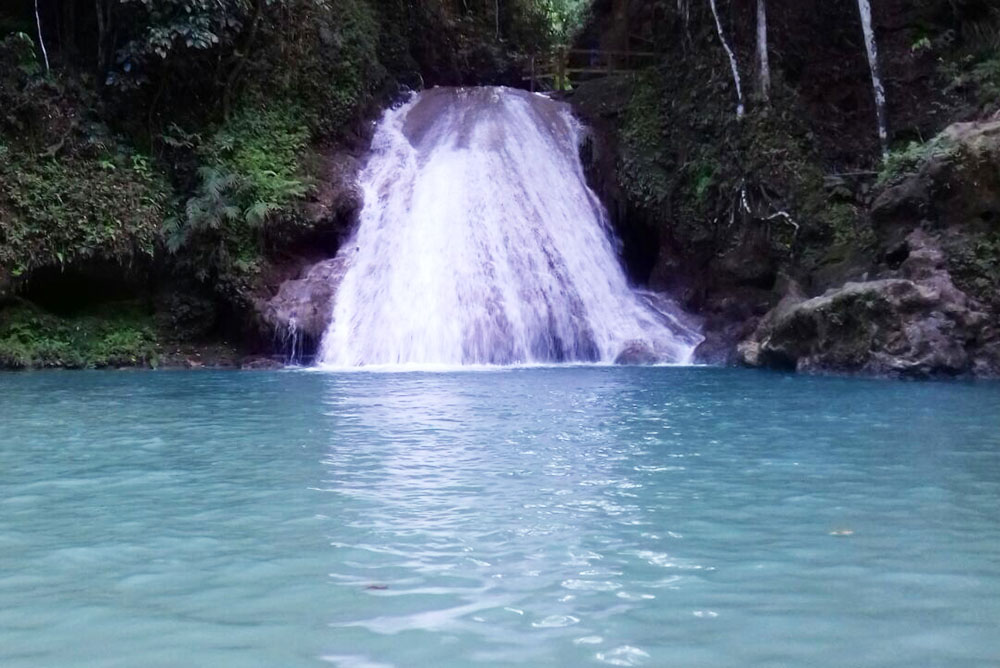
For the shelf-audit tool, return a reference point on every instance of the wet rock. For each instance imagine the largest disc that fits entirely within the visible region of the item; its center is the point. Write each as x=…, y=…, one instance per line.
x=931, y=307
x=304, y=306
x=957, y=185
x=337, y=198
x=260, y=363
x=918, y=325
x=637, y=353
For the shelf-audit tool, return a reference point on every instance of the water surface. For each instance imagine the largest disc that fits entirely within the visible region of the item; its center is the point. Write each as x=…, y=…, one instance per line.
x=533, y=517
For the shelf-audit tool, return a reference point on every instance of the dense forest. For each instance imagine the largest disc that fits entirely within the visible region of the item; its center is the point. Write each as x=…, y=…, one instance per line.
x=166, y=164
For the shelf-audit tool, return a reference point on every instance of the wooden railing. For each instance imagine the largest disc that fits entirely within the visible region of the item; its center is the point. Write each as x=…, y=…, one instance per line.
x=558, y=70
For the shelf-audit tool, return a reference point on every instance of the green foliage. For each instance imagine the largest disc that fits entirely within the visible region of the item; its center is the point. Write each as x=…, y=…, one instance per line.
x=78, y=208
x=114, y=335
x=337, y=66
x=714, y=184
x=848, y=227
x=160, y=30
x=978, y=78
x=975, y=264
x=264, y=148
x=985, y=76
x=922, y=44
x=19, y=49
x=192, y=24
x=704, y=178
x=253, y=170
x=973, y=70
x=913, y=156
x=564, y=18
x=642, y=152
x=23, y=92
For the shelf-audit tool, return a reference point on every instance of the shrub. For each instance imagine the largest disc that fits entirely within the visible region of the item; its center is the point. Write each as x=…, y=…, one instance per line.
x=114, y=335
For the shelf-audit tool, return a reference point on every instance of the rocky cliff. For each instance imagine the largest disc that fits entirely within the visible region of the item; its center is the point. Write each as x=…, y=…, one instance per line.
x=800, y=244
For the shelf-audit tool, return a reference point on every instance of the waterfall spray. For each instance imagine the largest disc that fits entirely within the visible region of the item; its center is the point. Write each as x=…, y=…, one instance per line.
x=480, y=243
x=732, y=60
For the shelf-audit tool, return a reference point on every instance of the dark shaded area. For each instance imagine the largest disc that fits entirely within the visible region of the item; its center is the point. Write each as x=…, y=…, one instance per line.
x=79, y=289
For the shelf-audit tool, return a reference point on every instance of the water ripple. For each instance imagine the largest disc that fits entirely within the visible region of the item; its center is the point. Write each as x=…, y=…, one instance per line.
x=548, y=517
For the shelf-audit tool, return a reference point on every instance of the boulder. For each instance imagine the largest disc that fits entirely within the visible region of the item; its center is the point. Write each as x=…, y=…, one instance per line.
x=958, y=183
x=930, y=308
x=637, y=353
x=918, y=324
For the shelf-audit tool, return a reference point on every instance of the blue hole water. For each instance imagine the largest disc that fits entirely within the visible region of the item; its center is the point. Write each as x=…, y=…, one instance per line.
x=532, y=517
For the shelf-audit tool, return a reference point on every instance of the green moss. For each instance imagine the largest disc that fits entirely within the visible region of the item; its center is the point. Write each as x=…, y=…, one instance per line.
x=974, y=71
x=848, y=228
x=713, y=182
x=111, y=336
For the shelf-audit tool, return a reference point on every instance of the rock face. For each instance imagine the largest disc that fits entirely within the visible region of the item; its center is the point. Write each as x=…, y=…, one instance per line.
x=917, y=325
x=337, y=198
x=957, y=187
x=300, y=312
x=932, y=304
x=296, y=303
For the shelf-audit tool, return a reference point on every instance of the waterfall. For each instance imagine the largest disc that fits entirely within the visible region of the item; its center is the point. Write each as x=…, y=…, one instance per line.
x=479, y=242
x=871, y=46
x=291, y=341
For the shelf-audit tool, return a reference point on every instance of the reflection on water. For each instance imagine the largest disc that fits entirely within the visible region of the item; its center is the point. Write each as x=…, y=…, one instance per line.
x=549, y=517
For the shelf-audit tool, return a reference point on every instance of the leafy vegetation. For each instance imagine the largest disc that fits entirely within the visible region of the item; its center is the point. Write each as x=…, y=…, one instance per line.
x=975, y=265
x=641, y=169
x=252, y=171
x=914, y=155
x=78, y=208
x=115, y=335
x=184, y=137
x=974, y=69
x=715, y=182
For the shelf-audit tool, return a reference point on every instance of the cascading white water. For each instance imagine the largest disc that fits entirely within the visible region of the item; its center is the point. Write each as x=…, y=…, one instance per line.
x=480, y=243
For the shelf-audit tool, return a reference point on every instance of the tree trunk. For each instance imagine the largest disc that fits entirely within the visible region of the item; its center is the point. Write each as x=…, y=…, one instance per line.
x=41, y=39
x=740, y=109
x=763, y=63
x=871, y=46
x=102, y=35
